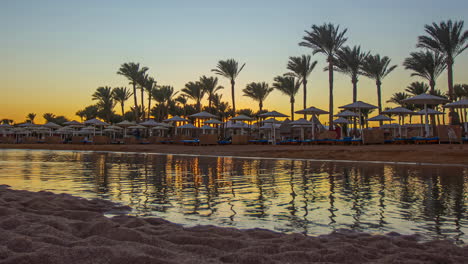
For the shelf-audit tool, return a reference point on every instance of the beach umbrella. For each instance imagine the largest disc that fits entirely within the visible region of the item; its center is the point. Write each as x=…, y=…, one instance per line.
x=5, y=126
x=242, y=118
x=400, y=111
x=187, y=126
x=137, y=127
x=28, y=125
x=176, y=119
x=273, y=114
x=213, y=121
x=115, y=127
x=359, y=105
x=273, y=128
x=73, y=123
x=380, y=118
x=150, y=123
x=52, y=125
x=206, y=127
x=429, y=111
x=314, y=112
x=160, y=128
x=426, y=99
x=460, y=104
x=95, y=122
x=301, y=123
x=341, y=120
x=203, y=115
x=125, y=124
x=347, y=113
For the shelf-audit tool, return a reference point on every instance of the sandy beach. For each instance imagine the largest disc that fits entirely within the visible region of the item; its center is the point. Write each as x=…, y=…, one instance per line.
x=436, y=154
x=59, y=228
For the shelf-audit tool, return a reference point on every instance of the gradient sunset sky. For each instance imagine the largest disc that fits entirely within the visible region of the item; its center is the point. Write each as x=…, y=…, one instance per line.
x=54, y=54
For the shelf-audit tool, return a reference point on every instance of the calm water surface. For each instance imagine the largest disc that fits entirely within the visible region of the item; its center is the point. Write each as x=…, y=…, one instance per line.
x=283, y=195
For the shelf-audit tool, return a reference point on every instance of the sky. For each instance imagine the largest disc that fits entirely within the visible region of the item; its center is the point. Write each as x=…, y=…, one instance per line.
x=54, y=54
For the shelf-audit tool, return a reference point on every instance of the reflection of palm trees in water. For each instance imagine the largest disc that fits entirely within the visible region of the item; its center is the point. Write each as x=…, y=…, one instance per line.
x=331, y=196
x=292, y=208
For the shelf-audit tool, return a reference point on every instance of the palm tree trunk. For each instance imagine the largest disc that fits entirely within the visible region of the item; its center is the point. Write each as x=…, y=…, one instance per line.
x=142, y=103
x=379, y=98
x=453, y=116
x=433, y=118
x=122, y=105
x=292, y=108
x=135, y=107
x=149, y=105
x=260, y=106
x=233, y=99
x=354, y=82
x=304, y=83
x=209, y=101
x=330, y=81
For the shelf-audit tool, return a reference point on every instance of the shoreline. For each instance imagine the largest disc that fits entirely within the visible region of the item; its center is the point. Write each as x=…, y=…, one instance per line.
x=42, y=227
x=393, y=154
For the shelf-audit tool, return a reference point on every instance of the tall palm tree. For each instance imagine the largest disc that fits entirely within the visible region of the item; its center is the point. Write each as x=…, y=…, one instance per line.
x=30, y=117
x=258, y=92
x=133, y=73
x=349, y=61
x=120, y=95
x=289, y=86
x=210, y=86
x=229, y=69
x=377, y=68
x=194, y=91
x=105, y=102
x=326, y=39
x=417, y=88
x=426, y=64
x=449, y=39
x=301, y=67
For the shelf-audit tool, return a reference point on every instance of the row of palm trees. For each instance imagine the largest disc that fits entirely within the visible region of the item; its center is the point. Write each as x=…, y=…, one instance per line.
x=439, y=47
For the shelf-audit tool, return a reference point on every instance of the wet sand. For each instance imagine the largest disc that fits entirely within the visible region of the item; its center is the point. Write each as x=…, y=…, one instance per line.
x=58, y=228
x=437, y=154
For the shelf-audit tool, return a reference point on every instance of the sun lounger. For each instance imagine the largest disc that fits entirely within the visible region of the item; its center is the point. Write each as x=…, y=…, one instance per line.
x=224, y=142
x=192, y=142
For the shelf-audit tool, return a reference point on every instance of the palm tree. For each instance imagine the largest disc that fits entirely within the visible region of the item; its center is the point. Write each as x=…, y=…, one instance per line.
x=377, y=68
x=105, y=102
x=426, y=64
x=460, y=91
x=49, y=117
x=120, y=95
x=288, y=86
x=133, y=72
x=194, y=91
x=88, y=112
x=210, y=86
x=417, y=88
x=349, y=61
x=258, y=92
x=165, y=97
x=6, y=121
x=229, y=69
x=397, y=98
x=301, y=68
x=30, y=117
x=449, y=39
x=326, y=39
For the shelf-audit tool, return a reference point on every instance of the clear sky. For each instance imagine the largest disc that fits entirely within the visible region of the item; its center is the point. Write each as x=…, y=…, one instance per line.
x=54, y=54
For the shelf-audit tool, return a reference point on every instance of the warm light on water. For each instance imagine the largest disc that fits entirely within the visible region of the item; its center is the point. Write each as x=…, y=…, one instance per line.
x=282, y=195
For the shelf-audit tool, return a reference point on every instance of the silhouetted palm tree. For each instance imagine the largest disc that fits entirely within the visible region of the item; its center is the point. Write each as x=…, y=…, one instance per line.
x=105, y=102
x=120, y=95
x=397, y=98
x=460, y=91
x=288, y=86
x=165, y=97
x=349, y=61
x=449, y=39
x=6, y=121
x=194, y=91
x=30, y=117
x=88, y=112
x=210, y=86
x=301, y=68
x=258, y=92
x=417, y=88
x=326, y=39
x=377, y=68
x=134, y=73
x=426, y=64
x=229, y=69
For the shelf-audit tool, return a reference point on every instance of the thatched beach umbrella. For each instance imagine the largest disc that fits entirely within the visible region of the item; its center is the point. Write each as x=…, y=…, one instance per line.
x=315, y=112
x=359, y=105
x=426, y=99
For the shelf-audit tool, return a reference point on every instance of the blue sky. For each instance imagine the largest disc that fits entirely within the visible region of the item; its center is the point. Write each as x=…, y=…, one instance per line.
x=56, y=53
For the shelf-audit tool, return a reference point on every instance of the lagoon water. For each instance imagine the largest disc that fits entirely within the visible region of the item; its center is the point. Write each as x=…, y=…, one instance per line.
x=309, y=197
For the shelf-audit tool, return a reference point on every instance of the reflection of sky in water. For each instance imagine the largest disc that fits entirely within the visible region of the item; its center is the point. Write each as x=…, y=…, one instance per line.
x=282, y=195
